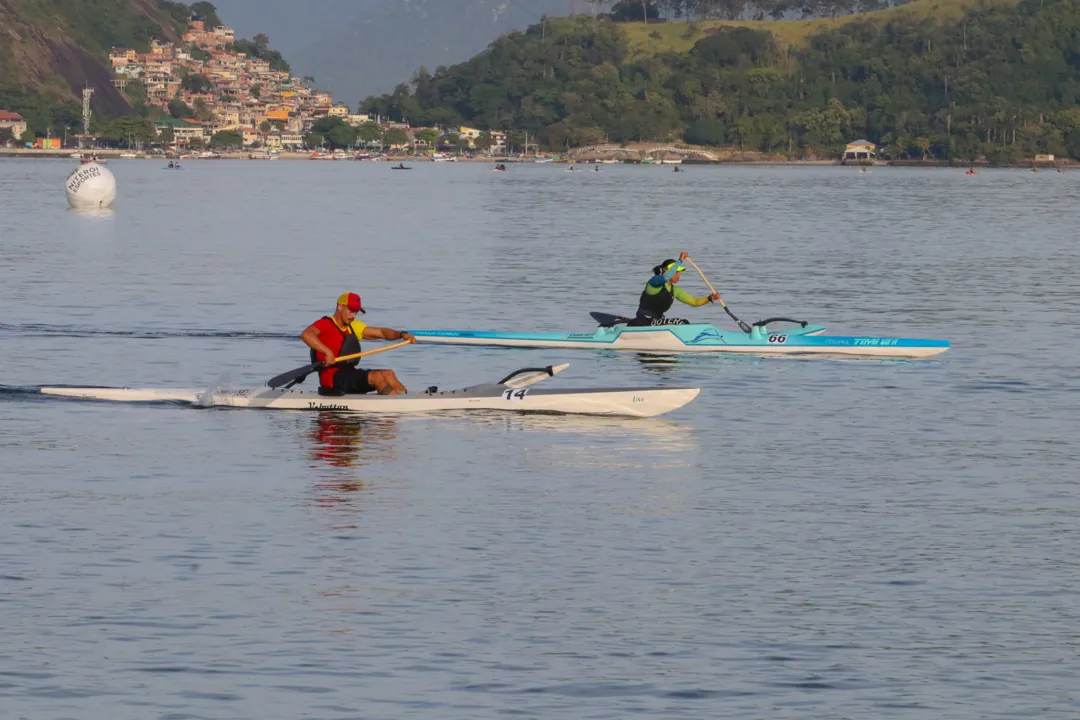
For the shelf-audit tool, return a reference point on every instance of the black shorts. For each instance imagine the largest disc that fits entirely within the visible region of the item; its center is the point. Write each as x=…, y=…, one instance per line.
x=352, y=381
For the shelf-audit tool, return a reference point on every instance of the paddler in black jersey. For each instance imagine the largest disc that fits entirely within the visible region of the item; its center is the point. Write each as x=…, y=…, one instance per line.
x=662, y=291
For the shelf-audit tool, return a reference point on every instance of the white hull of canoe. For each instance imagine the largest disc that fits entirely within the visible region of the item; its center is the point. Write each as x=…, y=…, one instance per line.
x=616, y=402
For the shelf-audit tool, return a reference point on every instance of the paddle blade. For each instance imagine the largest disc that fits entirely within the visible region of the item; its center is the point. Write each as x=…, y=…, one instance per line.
x=605, y=320
x=297, y=375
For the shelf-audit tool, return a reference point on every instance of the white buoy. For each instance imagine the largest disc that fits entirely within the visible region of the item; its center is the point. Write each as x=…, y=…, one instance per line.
x=91, y=187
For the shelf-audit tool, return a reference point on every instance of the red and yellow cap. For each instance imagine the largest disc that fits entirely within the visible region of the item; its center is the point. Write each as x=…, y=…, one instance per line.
x=351, y=301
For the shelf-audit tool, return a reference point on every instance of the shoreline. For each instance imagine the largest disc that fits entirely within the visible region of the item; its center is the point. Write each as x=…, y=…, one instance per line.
x=114, y=154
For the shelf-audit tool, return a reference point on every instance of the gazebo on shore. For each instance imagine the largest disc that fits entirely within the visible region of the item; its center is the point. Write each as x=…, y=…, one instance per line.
x=860, y=151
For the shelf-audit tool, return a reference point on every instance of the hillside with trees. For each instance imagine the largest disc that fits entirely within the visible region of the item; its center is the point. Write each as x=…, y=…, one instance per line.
x=698, y=10
x=363, y=47
x=999, y=80
x=51, y=49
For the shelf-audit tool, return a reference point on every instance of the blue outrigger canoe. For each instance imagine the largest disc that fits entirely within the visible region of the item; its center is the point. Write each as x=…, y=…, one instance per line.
x=804, y=339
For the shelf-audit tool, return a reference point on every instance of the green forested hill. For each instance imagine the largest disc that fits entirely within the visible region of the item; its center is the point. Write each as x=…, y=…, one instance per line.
x=49, y=49
x=942, y=78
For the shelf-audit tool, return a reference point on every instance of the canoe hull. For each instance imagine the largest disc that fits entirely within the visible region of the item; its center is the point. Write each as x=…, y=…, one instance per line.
x=698, y=338
x=614, y=402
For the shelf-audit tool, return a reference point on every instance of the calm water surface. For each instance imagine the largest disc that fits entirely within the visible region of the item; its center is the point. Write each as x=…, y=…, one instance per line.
x=808, y=539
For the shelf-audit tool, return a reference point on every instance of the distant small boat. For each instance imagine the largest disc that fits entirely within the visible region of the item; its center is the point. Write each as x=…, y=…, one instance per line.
x=400, y=167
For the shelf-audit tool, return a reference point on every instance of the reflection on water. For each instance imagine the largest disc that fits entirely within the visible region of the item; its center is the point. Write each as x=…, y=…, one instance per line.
x=342, y=444
x=657, y=364
x=348, y=440
x=664, y=364
x=643, y=434
x=95, y=213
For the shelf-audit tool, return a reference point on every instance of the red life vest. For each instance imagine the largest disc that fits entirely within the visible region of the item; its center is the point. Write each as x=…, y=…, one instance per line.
x=341, y=342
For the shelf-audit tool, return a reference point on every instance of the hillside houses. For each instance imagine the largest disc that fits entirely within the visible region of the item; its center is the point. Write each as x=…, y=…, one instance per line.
x=227, y=90
x=216, y=39
x=239, y=93
x=13, y=123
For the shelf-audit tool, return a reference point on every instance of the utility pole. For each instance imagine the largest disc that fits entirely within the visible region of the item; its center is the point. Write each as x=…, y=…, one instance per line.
x=86, y=93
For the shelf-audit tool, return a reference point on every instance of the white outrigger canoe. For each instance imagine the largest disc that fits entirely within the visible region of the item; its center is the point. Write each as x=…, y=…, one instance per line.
x=511, y=394
x=804, y=339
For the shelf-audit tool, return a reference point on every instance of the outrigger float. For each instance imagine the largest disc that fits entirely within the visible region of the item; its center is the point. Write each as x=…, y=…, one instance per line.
x=614, y=333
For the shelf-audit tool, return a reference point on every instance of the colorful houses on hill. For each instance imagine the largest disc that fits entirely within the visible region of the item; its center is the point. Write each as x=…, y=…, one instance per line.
x=237, y=92
x=215, y=88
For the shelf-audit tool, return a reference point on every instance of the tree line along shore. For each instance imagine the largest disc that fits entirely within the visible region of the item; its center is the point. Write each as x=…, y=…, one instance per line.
x=993, y=82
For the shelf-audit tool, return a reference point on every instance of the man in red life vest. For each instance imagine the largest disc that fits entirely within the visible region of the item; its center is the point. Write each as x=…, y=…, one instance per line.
x=332, y=337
